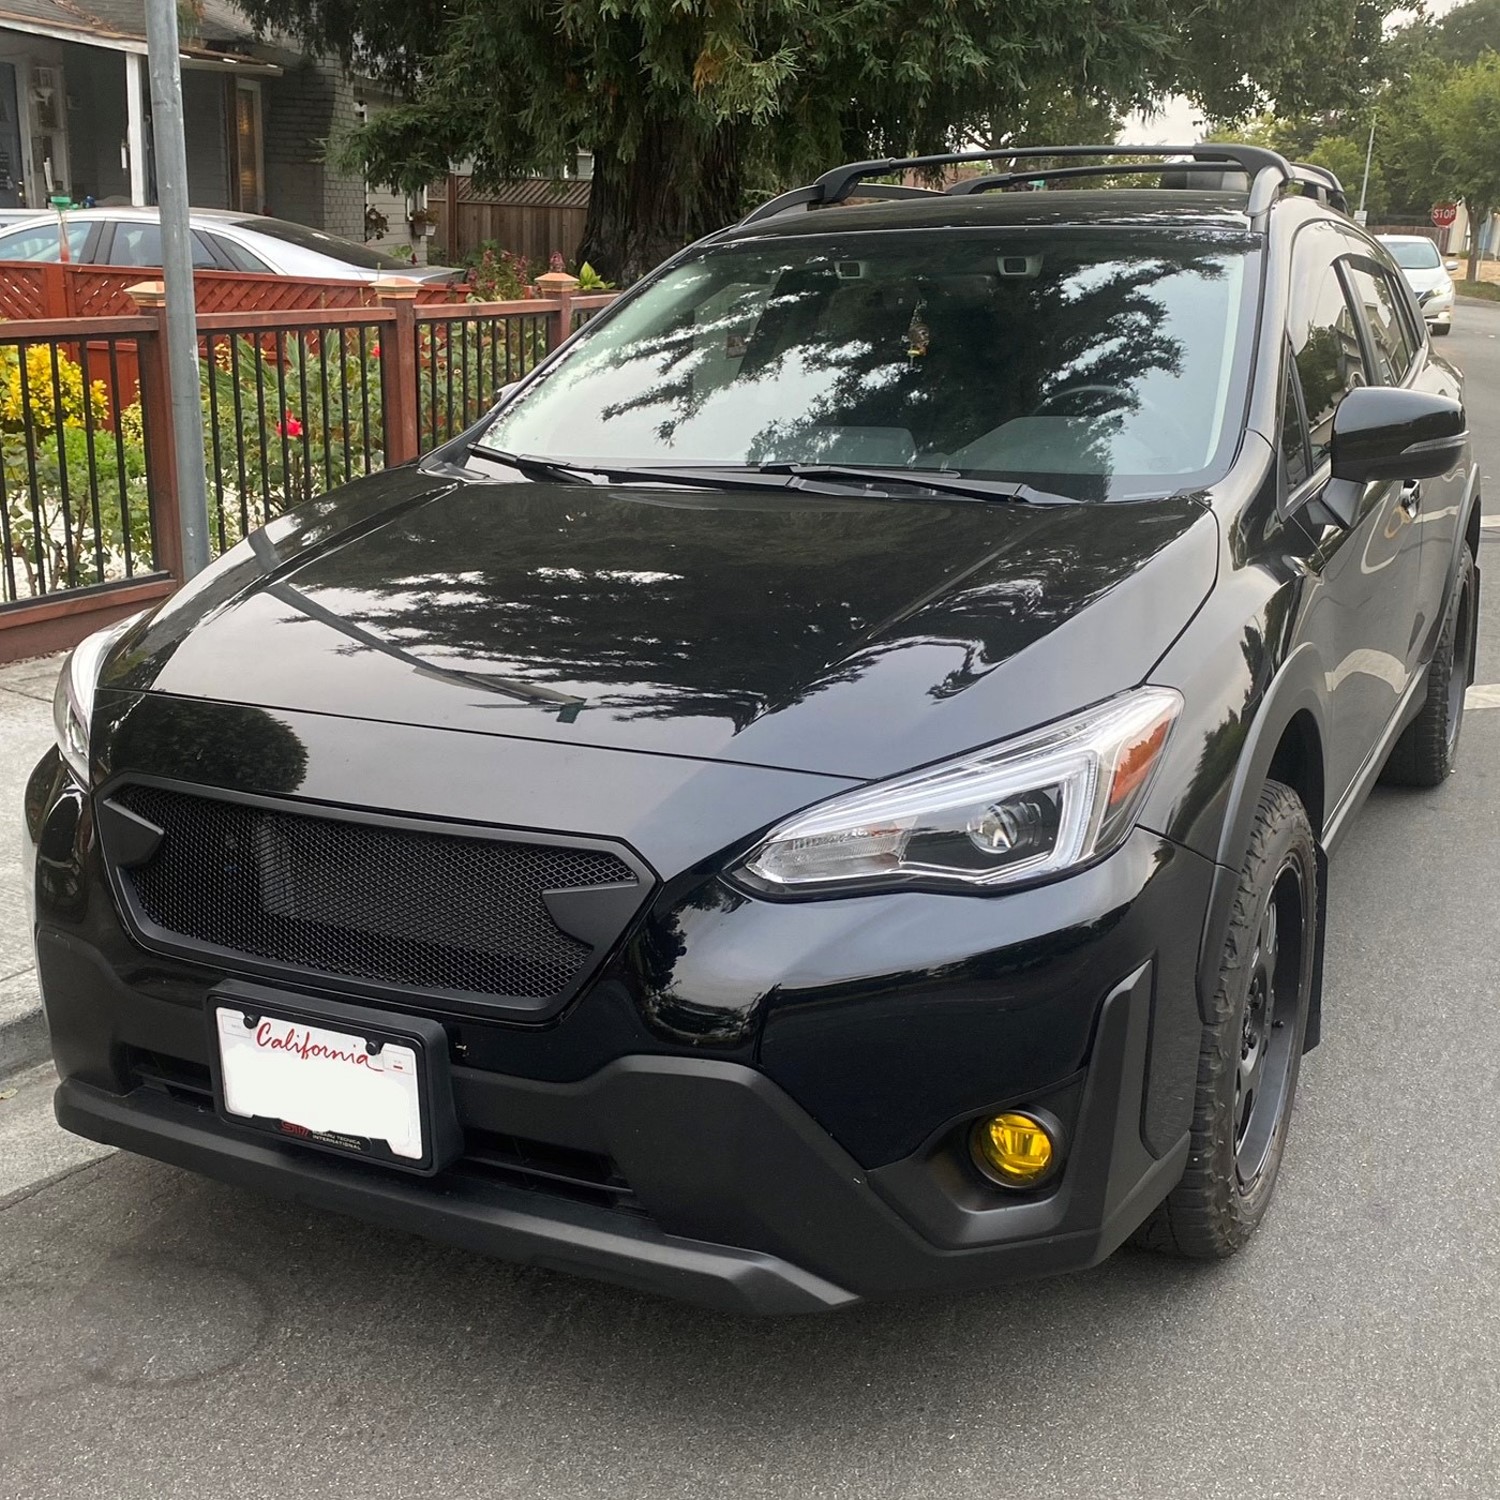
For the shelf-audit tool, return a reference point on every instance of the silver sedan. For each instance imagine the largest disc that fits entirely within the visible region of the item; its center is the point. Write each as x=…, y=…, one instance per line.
x=223, y=240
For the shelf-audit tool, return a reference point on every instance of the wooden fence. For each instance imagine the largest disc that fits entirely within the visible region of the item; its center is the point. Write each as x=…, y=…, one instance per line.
x=531, y=217
x=295, y=402
x=32, y=290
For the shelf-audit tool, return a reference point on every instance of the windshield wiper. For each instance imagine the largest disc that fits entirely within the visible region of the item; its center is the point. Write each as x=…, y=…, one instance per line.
x=713, y=477
x=937, y=481
x=816, y=478
x=533, y=467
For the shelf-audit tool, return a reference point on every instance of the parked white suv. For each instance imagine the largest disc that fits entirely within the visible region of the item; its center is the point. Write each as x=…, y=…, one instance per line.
x=1427, y=274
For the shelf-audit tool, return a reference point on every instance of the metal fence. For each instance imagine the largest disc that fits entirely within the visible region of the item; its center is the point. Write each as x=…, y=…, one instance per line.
x=294, y=403
x=292, y=409
x=464, y=362
x=75, y=506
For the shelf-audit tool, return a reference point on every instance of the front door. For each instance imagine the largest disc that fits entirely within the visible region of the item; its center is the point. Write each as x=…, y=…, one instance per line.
x=1368, y=598
x=48, y=105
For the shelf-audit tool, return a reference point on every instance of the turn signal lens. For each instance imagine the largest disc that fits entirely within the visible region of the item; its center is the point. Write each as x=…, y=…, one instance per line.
x=1016, y=1150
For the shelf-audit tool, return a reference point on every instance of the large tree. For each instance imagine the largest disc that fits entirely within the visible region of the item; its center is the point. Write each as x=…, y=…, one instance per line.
x=694, y=107
x=1451, y=139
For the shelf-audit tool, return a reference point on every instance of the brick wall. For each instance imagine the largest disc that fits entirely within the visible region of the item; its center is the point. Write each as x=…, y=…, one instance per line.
x=305, y=109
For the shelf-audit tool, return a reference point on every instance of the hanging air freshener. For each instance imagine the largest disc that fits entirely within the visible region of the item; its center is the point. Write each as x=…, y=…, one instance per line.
x=918, y=334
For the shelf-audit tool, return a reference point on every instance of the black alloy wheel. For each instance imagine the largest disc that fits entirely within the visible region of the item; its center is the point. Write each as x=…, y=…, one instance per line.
x=1270, y=1022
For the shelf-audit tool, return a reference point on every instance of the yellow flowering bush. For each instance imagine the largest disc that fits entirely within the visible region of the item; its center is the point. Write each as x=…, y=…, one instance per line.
x=36, y=390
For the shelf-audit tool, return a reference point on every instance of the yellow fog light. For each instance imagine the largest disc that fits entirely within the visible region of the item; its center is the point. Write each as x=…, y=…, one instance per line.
x=1016, y=1150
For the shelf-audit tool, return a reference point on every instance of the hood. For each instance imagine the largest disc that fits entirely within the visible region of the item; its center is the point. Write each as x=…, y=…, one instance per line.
x=855, y=637
x=1424, y=280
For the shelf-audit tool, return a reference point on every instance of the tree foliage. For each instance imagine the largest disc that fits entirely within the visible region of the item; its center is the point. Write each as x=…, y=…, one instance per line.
x=692, y=106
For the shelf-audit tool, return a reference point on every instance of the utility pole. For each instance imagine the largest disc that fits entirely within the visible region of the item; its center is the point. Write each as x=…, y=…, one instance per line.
x=1364, y=186
x=169, y=146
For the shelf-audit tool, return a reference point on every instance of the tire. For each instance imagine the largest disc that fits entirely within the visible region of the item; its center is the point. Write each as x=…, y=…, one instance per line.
x=1442, y=330
x=1428, y=748
x=1251, y=1051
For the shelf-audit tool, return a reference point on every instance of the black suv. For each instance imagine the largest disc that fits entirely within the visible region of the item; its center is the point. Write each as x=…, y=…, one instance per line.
x=827, y=790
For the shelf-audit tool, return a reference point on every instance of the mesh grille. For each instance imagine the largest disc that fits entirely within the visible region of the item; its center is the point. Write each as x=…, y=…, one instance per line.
x=423, y=910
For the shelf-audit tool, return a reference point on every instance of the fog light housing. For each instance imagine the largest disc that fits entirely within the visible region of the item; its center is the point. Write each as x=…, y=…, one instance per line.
x=1018, y=1148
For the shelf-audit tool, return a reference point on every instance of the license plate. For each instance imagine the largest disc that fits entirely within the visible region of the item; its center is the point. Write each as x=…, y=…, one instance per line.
x=334, y=1089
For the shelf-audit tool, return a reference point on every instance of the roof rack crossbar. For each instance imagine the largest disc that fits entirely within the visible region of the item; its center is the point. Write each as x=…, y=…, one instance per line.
x=1002, y=180
x=837, y=184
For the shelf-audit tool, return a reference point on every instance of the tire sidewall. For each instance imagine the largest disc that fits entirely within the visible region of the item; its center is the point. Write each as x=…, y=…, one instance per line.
x=1291, y=838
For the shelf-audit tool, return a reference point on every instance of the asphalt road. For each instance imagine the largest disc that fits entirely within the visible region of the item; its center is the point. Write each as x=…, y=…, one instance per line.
x=162, y=1336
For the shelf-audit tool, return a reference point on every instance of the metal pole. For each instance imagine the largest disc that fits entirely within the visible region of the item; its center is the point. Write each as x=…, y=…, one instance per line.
x=1364, y=187
x=169, y=147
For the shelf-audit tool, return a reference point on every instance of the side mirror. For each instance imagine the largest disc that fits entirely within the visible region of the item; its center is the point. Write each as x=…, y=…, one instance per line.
x=1382, y=432
x=1450, y=265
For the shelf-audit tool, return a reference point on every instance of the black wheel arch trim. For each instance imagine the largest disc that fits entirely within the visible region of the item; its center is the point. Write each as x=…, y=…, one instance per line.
x=1297, y=688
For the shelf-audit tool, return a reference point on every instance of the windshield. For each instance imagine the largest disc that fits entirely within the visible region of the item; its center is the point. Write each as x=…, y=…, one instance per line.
x=1090, y=364
x=330, y=245
x=1414, y=255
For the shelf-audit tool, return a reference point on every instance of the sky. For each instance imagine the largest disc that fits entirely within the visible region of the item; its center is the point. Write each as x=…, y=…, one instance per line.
x=1177, y=122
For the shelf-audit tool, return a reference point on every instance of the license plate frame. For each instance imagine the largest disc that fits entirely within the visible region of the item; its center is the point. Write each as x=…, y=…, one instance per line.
x=441, y=1137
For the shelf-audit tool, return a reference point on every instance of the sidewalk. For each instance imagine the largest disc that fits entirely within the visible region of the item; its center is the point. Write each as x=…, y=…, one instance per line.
x=25, y=732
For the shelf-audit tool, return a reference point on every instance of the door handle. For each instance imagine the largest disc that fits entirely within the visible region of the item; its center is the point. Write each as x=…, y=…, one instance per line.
x=1411, y=496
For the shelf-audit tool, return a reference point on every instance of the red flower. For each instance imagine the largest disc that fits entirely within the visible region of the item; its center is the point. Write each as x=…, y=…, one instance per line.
x=375, y=349
x=290, y=427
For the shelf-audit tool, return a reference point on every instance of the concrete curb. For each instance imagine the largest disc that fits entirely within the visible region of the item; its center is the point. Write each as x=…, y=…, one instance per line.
x=23, y=1035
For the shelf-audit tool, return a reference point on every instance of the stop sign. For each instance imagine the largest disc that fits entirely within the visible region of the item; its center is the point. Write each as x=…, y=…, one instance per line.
x=1443, y=214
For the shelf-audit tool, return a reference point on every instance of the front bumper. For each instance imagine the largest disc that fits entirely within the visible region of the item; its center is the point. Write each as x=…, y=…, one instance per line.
x=762, y=1213
x=775, y=1096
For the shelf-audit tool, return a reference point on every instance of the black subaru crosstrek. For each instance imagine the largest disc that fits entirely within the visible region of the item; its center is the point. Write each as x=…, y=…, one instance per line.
x=827, y=790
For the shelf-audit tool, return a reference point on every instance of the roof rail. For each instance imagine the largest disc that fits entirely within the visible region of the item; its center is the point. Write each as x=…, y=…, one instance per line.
x=1320, y=183
x=1270, y=174
x=838, y=184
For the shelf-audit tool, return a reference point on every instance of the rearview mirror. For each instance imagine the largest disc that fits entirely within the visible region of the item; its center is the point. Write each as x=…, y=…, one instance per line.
x=1382, y=432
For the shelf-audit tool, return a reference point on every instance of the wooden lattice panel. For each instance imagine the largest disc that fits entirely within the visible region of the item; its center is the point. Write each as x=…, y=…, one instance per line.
x=22, y=291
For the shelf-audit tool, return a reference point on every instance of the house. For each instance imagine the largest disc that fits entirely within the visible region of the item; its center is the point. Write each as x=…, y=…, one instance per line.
x=75, y=114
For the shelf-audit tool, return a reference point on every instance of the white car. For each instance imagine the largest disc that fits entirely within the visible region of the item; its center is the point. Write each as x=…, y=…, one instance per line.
x=223, y=240
x=1427, y=274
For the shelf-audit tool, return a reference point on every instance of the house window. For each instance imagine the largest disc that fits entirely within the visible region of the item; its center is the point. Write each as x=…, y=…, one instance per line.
x=248, y=178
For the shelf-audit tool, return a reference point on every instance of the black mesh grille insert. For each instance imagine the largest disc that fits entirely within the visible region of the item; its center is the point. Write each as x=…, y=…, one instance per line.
x=430, y=911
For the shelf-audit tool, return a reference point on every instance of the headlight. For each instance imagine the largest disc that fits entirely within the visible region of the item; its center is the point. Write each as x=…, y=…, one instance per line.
x=73, y=699
x=1028, y=809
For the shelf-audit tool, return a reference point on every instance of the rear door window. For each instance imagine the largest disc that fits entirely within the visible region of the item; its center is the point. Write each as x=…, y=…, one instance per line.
x=236, y=256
